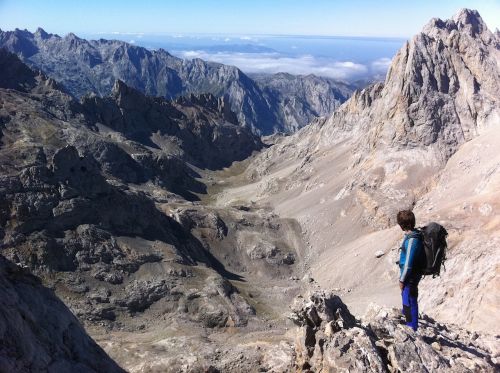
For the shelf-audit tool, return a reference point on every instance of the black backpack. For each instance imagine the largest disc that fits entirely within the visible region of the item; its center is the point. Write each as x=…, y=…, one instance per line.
x=434, y=245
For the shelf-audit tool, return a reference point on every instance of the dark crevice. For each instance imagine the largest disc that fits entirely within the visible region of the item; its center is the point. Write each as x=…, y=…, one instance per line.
x=384, y=355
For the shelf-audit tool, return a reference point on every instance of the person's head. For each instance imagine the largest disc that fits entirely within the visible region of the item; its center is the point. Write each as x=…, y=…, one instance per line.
x=406, y=220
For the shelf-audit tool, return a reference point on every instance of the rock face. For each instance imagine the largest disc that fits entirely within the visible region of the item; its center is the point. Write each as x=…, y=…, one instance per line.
x=38, y=331
x=466, y=200
x=331, y=339
x=300, y=99
x=345, y=177
x=92, y=67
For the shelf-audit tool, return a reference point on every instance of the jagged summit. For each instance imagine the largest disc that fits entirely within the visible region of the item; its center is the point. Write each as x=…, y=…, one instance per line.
x=470, y=17
x=40, y=32
x=121, y=89
x=72, y=36
x=465, y=21
x=427, y=93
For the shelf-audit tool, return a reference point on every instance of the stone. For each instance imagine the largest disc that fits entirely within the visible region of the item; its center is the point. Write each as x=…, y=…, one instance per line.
x=436, y=346
x=41, y=329
x=377, y=343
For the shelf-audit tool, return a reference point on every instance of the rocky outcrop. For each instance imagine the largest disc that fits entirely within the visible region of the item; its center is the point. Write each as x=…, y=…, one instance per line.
x=262, y=107
x=331, y=339
x=39, y=333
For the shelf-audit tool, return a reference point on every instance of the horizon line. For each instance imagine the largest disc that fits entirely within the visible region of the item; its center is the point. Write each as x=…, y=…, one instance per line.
x=180, y=35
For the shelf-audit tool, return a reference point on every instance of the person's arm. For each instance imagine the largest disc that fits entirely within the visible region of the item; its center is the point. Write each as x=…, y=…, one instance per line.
x=411, y=252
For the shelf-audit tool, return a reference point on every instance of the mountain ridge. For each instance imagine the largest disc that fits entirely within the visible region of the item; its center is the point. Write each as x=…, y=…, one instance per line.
x=84, y=66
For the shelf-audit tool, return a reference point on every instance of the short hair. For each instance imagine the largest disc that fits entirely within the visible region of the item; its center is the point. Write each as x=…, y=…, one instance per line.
x=406, y=220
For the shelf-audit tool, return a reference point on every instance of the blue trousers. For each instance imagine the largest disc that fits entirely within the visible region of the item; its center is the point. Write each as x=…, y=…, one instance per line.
x=410, y=303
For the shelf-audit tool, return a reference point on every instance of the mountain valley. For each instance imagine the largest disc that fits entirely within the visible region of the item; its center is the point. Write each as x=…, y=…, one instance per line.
x=136, y=187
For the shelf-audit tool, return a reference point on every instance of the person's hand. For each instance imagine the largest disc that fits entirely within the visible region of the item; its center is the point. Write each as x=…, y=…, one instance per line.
x=401, y=285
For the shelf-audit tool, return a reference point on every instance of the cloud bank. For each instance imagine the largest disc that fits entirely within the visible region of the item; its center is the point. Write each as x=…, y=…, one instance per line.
x=297, y=65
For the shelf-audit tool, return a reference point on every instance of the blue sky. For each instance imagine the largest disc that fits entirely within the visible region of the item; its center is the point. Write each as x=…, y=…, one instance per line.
x=289, y=17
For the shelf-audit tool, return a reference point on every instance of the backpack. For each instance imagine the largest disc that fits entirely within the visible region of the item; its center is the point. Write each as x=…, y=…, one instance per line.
x=434, y=245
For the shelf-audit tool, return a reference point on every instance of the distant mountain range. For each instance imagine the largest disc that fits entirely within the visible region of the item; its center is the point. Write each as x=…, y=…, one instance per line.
x=277, y=103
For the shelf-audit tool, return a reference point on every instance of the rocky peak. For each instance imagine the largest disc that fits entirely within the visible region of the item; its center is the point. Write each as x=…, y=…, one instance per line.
x=40, y=32
x=466, y=21
x=163, y=52
x=120, y=88
x=442, y=85
x=72, y=36
x=19, y=32
x=127, y=97
x=19, y=42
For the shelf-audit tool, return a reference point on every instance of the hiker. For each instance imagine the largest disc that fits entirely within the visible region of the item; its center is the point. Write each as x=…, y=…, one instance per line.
x=410, y=260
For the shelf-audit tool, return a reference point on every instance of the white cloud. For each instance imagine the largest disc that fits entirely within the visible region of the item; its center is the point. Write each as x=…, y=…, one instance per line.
x=381, y=65
x=137, y=34
x=191, y=54
x=275, y=62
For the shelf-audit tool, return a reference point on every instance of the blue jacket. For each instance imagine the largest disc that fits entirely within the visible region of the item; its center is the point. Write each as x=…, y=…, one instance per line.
x=410, y=256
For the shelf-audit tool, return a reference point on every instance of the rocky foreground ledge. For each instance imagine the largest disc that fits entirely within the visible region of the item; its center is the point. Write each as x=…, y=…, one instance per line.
x=38, y=333
x=330, y=339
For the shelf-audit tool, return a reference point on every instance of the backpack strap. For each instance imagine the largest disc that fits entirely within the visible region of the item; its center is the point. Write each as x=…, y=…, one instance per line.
x=416, y=234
